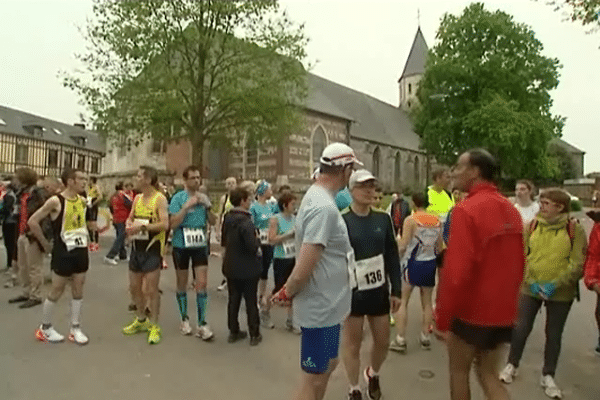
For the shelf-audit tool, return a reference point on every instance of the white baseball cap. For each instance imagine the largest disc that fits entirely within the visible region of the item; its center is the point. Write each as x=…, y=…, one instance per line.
x=360, y=176
x=339, y=154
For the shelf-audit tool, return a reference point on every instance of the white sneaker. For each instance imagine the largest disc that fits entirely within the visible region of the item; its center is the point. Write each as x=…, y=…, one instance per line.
x=508, y=373
x=185, y=328
x=110, y=261
x=425, y=341
x=550, y=387
x=204, y=333
x=222, y=286
x=76, y=336
x=48, y=335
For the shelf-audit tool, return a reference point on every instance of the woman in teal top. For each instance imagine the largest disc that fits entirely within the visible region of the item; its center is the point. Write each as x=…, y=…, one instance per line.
x=262, y=212
x=281, y=235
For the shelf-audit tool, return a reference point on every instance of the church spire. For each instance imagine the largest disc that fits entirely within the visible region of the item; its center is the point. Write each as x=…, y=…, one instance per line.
x=415, y=63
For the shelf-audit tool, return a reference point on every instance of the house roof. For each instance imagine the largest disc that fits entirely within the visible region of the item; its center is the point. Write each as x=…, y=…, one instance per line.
x=372, y=119
x=415, y=63
x=52, y=131
x=567, y=146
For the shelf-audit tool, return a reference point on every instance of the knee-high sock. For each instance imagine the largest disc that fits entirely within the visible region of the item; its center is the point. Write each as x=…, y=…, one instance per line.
x=182, y=303
x=76, y=312
x=201, y=300
x=47, y=312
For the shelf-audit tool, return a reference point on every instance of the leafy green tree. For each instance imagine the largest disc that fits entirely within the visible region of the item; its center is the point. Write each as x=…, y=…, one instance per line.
x=211, y=71
x=585, y=11
x=487, y=84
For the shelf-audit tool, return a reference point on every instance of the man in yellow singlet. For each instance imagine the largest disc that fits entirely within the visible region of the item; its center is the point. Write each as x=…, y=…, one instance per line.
x=70, y=261
x=146, y=227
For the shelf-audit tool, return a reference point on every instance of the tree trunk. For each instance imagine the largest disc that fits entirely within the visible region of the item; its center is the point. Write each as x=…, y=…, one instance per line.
x=198, y=154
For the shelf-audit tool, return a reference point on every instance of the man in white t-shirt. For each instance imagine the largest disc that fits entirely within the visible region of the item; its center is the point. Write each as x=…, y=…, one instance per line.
x=319, y=286
x=524, y=195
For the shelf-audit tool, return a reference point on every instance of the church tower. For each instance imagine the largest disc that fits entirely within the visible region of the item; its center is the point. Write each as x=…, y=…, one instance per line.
x=413, y=71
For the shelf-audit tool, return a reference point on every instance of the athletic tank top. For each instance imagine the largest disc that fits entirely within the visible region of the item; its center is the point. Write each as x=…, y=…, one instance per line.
x=145, y=213
x=422, y=245
x=286, y=249
x=69, y=228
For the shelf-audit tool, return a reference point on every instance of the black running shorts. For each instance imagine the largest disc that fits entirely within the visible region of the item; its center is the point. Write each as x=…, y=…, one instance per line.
x=144, y=261
x=182, y=257
x=66, y=263
x=282, y=269
x=482, y=337
x=373, y=302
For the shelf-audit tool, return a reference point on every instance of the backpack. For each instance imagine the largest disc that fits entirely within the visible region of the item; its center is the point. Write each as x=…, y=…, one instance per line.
x=571, y=224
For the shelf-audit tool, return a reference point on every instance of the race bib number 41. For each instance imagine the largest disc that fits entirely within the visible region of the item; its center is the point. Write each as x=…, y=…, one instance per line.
x=370, y=273
x=194, y=238
x=76, y=238
x=141, y=235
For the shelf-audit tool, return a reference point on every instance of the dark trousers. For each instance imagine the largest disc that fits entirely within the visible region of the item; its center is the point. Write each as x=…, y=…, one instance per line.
x=556, y=317
x=598, y=313
x=9, y=231
x=118, y=246
x=246, y=288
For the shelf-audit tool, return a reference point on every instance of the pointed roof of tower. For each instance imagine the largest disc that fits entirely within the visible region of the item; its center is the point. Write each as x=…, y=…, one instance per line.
x=415, y=63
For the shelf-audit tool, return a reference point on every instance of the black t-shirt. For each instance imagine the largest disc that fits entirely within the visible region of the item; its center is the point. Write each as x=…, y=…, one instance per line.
x=371, y=236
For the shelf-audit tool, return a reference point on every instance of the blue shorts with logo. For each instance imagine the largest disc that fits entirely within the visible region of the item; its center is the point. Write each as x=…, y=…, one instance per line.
x=420, y=273
x=319, y=346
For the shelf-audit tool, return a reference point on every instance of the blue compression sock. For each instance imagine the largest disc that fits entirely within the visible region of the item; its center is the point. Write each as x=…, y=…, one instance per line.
x=182, y=303
x=201, y=300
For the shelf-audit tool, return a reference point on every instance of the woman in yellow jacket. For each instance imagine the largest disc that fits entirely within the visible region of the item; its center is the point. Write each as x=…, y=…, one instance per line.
x=555, y=247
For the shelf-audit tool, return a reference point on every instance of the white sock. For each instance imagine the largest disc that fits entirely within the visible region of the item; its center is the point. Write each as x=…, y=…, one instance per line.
x=47, y=311
x=75, y=311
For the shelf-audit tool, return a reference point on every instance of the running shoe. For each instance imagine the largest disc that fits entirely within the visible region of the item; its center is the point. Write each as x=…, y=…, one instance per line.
x=265, y=320
x=373, y=388
x=222, y=286
x=110, y=261
x=185, y=328
x=355, y=395
x=425, y=341
x=48, y=335
x=392, y=320
x=203, y=332
x=550, y=387
x=154, y=334
x=236, y=336
x=398, y=344
x=77, y=336
x=137, y=326
x=255, y=340
x=164, y=264
x=508, y=374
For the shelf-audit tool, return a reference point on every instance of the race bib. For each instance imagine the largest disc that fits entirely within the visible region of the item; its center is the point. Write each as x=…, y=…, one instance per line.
x=370, y=273
x=194, y=238
x=88, y=201
x=141, y=235
x=75, y=238
x=289, y=248
x=263, y=235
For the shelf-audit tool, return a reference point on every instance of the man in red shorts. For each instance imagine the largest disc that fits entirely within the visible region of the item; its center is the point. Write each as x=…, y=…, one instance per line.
x=479, y=284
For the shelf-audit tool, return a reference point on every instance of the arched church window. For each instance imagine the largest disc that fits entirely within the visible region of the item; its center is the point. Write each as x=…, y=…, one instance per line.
x=376, y=162
x=319, y=142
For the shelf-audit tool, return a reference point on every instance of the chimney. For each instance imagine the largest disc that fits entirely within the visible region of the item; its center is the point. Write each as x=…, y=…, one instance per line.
x=79, y=125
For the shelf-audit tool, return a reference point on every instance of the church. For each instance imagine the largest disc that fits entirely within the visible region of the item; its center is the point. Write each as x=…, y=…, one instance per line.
x=380, y=133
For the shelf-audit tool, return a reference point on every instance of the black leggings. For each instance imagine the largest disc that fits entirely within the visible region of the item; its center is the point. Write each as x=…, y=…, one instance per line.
x=246, y=289
x=9, y=231
x=556, y=317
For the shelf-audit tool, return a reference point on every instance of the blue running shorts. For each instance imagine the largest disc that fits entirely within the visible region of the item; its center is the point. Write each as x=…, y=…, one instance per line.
x=420, y=273
x=319, y=346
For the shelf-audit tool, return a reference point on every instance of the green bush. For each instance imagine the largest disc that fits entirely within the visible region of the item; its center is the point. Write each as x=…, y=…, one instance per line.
x=576, y=205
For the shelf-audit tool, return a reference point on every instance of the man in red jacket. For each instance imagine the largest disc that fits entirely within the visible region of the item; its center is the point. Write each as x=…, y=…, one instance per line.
x=591, y=267
x=120, y=206
x=479, y=285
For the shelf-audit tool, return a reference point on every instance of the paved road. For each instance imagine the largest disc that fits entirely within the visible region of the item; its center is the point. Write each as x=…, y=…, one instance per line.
x=116, y=367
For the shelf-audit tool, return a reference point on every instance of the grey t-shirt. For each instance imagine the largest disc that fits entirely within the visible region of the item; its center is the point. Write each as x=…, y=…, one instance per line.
x=325, y=300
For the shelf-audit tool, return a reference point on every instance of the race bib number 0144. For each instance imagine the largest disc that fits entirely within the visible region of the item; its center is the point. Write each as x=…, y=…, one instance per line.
x=194, y=238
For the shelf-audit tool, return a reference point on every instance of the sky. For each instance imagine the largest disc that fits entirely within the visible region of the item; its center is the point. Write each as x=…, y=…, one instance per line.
x=362, y=44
